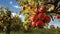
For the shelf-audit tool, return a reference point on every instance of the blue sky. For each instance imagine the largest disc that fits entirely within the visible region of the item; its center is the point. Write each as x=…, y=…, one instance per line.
x=11, y=4
x=14, y=7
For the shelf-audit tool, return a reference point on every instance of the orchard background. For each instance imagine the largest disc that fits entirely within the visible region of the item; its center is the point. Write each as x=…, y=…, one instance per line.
x=38, y=14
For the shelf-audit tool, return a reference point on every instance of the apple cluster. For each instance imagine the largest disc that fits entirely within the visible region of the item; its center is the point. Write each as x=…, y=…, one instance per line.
x=40, y=19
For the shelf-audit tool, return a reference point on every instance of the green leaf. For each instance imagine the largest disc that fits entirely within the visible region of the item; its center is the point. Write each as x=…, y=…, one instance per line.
x=27, y=17
x=21, y=12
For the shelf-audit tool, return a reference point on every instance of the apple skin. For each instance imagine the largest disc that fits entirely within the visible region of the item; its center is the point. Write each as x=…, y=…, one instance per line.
x=40, y=23
x=57, y=17
x=43, y=9
x=47, y=19
x=41, y=16
x=32, y=18
x=33, y=24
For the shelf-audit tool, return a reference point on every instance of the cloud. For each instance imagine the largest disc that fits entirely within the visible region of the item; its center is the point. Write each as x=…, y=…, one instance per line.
x=20, y=16
x=11, y=2
x=13, y=14
x=16, y=6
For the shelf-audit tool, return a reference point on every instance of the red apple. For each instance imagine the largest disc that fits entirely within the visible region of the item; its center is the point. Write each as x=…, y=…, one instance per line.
x=42, y=9
x=33, y=24
x=47, y=19
x=32, y=18
x=41, y=15
x=40, y=23
x=57, y=17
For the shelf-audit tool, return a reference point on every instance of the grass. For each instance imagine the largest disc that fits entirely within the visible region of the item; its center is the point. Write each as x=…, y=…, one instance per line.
x=37, y=31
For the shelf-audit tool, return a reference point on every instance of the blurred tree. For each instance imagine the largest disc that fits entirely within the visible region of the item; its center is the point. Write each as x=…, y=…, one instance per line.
x=57, y=27
x=7, y=21
x=16, y=23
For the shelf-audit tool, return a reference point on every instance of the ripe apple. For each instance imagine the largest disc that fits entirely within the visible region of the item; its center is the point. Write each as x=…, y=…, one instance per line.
x=40, y=23
x=42, y=9
x=33, y=24
x=41, y=15
x=57, y=17
x=32, y=18
x=47, y=19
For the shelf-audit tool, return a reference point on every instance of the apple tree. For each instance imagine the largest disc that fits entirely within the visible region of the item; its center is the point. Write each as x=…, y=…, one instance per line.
x=38, y=13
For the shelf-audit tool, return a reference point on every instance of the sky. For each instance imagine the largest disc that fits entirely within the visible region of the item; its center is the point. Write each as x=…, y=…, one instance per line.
x=14, y=7
x=11, y=4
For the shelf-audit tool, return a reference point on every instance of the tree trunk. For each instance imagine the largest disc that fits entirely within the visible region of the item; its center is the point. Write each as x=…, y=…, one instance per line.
x=8, y=29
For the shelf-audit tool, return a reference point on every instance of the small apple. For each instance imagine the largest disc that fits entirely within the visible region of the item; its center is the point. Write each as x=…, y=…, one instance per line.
x=41, y=15
x=42, y=8
x=40, y=23
x=57, y=17
x=47, y=19
x=32, y=18
x=33, y=24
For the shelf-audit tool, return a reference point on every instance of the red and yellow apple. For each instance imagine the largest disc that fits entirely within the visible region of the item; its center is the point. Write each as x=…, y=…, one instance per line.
x=40, y=23
x=32, y=18
x=42, y=9
x=33, y=24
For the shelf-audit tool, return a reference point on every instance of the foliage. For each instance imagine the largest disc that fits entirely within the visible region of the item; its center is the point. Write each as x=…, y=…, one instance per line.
x=16, y=23
x=5, y=19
